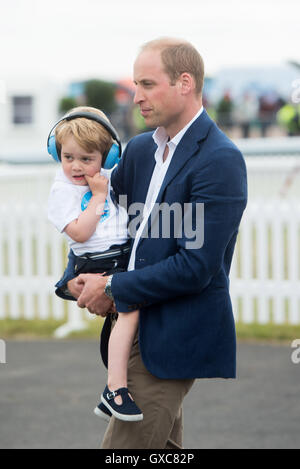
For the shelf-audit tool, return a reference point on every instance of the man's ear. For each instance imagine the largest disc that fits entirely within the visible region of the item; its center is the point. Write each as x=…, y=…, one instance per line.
x=186, y=83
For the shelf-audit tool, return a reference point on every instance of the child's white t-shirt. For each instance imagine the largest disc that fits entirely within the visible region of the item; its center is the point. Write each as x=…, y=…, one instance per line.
x=67, y=201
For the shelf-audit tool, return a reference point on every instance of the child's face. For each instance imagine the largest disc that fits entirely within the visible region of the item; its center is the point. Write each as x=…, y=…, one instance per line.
x=77, y=162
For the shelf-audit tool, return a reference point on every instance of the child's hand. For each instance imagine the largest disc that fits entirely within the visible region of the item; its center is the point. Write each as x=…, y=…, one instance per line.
x=98, y=184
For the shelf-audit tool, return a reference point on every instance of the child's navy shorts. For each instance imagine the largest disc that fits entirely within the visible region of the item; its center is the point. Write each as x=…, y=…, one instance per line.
x=114, y=260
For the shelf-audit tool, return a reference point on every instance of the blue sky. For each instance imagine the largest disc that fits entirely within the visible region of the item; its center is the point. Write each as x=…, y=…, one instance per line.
x=74, y=39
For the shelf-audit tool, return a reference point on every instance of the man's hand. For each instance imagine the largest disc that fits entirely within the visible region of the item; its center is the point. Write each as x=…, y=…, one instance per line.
x=75, y=287
x=93, y=297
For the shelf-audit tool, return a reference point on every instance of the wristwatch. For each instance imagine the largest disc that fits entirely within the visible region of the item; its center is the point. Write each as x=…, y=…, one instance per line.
x=107, y=289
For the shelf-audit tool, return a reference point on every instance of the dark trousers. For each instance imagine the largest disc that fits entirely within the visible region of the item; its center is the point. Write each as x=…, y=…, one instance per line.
x=110, y=265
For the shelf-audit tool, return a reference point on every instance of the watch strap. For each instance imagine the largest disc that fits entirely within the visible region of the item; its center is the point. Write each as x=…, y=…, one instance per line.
x=107, y=289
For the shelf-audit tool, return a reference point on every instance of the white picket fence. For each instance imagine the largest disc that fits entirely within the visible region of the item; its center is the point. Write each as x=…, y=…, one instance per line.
x=32, y=254
x=265, y=275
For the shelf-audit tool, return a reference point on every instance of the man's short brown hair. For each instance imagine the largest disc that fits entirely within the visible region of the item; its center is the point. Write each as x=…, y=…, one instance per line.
x=179, y=56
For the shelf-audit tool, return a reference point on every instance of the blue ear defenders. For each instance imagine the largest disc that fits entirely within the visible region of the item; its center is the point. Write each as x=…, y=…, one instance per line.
x=115, y=152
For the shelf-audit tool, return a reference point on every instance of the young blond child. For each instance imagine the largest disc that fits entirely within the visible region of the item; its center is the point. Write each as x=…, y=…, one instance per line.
x=81, y=207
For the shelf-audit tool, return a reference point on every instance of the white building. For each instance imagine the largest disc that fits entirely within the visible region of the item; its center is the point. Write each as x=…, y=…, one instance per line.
x=28, y=109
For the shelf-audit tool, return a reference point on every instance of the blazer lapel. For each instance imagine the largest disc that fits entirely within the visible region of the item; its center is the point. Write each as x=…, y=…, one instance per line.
x=145, y=168
x=186, y=148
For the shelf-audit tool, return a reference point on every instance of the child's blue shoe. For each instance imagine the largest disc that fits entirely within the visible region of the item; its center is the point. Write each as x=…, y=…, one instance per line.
x=103, y=412
x=127, y=411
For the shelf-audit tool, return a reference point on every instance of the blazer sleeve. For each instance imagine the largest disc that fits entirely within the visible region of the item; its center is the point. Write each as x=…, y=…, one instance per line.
x=221, y=185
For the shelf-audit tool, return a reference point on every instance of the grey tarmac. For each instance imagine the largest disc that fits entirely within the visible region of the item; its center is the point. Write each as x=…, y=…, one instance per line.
x=48, y=390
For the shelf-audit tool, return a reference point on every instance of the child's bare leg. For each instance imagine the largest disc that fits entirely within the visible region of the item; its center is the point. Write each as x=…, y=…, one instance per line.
x=119, y=347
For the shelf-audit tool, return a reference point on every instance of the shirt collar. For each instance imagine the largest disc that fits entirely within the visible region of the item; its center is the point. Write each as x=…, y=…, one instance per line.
x=160, y=136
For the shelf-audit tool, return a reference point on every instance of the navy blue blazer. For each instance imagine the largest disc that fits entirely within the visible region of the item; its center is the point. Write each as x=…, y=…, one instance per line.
x=186, y=326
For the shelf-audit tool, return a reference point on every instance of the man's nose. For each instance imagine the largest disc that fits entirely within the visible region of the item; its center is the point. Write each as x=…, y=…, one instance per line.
x=138, y=97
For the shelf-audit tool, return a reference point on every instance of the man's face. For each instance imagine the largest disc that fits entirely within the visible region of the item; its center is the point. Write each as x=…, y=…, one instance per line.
x=160, y=102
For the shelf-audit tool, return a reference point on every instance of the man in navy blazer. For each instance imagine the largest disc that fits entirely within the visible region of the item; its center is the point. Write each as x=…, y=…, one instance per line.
x=180, y=285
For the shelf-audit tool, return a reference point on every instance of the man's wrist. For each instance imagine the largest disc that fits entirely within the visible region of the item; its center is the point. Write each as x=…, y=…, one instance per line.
x=107, y=289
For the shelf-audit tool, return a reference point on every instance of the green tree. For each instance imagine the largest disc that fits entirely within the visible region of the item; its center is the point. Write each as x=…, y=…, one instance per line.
x=66, y=104
x=100, y=94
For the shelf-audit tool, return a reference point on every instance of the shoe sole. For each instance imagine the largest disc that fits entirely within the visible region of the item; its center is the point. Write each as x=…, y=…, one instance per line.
x=125, y=418
x=101, y=414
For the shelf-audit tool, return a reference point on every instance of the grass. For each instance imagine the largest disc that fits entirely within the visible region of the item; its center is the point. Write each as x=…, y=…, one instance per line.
x=11, y=328
x=44, y=329
x=270, y=332
x=37, y=328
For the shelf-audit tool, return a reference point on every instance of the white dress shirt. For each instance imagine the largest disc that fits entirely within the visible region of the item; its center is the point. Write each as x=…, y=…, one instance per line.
x=160, y=137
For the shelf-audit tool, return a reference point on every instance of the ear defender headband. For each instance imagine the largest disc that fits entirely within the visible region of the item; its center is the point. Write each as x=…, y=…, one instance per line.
x=115, y=152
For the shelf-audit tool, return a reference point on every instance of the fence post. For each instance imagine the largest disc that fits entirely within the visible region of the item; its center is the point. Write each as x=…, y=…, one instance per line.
x=75, y=322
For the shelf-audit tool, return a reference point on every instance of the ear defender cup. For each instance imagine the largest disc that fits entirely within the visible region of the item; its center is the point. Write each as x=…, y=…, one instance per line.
x=52, y=150
x=113, y=157
x=115, y=151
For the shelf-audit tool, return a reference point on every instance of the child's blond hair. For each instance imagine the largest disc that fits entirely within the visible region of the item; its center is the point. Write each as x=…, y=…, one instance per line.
x=89, y=134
